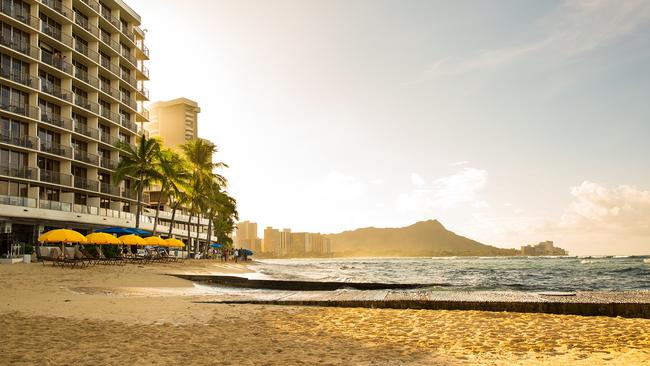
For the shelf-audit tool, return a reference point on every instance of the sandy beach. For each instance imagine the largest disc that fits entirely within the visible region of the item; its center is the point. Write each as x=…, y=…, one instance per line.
x=138, y=315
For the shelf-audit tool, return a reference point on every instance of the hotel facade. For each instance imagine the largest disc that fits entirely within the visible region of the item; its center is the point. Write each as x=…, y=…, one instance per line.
x=72, y=86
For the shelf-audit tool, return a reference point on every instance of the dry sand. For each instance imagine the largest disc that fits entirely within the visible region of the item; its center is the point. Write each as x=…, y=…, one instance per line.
x=136, y=315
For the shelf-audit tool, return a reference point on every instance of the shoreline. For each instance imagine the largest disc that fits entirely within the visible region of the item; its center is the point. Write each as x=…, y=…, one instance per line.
x=137, y=315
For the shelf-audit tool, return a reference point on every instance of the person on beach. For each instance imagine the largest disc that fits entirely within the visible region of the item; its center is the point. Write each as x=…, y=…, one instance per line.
x=236, y=254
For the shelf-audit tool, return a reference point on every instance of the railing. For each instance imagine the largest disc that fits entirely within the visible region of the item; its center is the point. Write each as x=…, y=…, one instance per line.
x=128, y=101
x=17, y=201
x=129, y=79
x=21, y=78
x=55, y=90
x=55, y=205
x=83, y=23
x=128, y=194
x=108, y=164
x=57, y=62
x=24, y=110
x=108, y=139
x=109, y=189
x=56, y=149
x=125, y=30
x=23, y=141
x=84, y=103
x=106, y=113
x=85, y=209
x=106, y=14
x=59, y=7
x=18, y=14
x=18, y=171
x=143, y=91
x=110, y=91
x=145, y=71
x=130, y=125
x=84, y=50
x=86, y=131
x=86, y=157
x=144, y=112
x=92, y=4
x=56, y=34
x=110, y=42
x=56, y=119
x=82, y=75
x=87, y=184
x=21, y=47
x=108, y=65
x=126, y=53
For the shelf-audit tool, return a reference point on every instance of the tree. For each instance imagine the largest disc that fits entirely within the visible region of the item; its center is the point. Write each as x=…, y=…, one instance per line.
x=173, y=175
x=222, y=214
x=139, y=163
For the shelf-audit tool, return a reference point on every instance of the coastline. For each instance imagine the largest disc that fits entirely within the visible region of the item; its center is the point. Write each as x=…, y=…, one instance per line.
x=139, y=315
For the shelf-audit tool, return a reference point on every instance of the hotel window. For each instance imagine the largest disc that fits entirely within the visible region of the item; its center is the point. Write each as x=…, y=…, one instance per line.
x=8, y=188
x=14, y=67
x=80, y=18
x=105, y=83
x=106, y=59
x=48, y=138
x=126, y=73
x=20, y=8
x=80, y=199
x=124, y=137
x=104, y=154
x=104, y=203
x=126, y=116
x=13, y=97
x=79, y=172
x=106, y=35
x=49, y=83
x=49, y=165
x=80, y=71
x=105, y=130
x=80, y=44
x=15, y=37
x=50, y=26
x=49, y=110
x=106, y=11
x=80, y=121
x=80, y=97
x=126, y=94
x=12, y=128
x=79, y=145
x=12, y=158
x=125, y=25
x=49, y=194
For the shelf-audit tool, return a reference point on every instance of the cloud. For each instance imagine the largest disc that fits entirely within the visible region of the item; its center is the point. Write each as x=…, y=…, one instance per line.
x=417, y=180
x=459, y=163
x=575, y=28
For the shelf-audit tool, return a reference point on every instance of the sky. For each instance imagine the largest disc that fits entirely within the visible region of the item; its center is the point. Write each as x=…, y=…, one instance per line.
x=511, y=122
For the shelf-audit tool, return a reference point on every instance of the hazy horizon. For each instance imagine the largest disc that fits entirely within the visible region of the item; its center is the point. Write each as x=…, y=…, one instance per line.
x=509, y=122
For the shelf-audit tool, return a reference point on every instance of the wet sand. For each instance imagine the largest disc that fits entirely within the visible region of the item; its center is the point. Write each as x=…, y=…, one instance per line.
x=118, y=315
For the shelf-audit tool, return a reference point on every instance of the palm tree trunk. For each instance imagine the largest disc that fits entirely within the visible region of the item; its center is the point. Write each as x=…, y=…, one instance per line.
x=189, y=234
x=171, y=225
x=138, y=209
x=207, y=246
x=155, y=222
x=197, y=248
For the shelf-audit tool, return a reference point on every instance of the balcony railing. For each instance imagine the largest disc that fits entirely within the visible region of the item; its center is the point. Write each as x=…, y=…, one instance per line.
x=110, y=42
x=86, y=157
x=129, y=79
x=86, y=131
x=125, y=30
x=108, y=163
x=18, y=14
x=128, y=101
x=83, y=102
x=106, y=113
x=56, y=34
x=145, y=71
x=56, y=119
x=92, y=4
x=143, y=91
x=126, y=53
x=55, y=90
x=106, y=14
x=110, y=91
x=17, y=201
x=23, y=141
x=55, y=205
x=21, y=47
x=59, y=7
x=108, y=65
x=108, y=139
x=21, y=78
x=56, y=61
x=109, y=189
x=24, y=110
x=83, y=23
x=56, y=149
x=130, y=125
x=144, y=112
x=17, y=171
x=127, y=193
x=82, y=75
x=84, y=50
x=84, y=183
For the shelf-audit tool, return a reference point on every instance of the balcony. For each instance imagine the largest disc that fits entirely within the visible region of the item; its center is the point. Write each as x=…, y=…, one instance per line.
x=56, y=61
x=17, y=201
x=125, y=30
x=84, y=103
x=56, y=119
x=18, y=14
x=17, y=171
x=83, y=23
x=144, y=112
x=108, y=164
x=129, y=79
x=55, y=205
x=83, y=76
x=106, y=14
x=143, y=92
x=110, y=42
x=108, y=139
x=55, y=90
x=87, y=184
x=21, y=78
x=59, y=8
x=106, y=63
x=92, y=4
x=128, y=101
x=86, y=131
x=21, y=47
x=86, y=157
x=84, y=50
x=56, y=149
x=29, y=142
x=106, y=113
x=106, y=88
x=126, y=53
x=56, y=34
x=130, y=125
x=126, y=193
x=24, y=110
x=109, y=189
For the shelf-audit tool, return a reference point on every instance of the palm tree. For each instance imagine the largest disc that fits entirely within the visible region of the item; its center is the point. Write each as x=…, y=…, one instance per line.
x=222, y=212
x=198, y=154
x=139, y=163
x=173, y=173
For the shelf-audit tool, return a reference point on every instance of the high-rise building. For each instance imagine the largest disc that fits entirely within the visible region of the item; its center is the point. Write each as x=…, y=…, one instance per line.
x=175, y=121
x=72, y=85
x=271, y=242
x=247, y=236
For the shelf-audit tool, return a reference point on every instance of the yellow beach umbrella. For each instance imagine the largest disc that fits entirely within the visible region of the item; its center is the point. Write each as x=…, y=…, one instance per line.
x=62, y=236
x=102, y=239
x=155, y=240
x=173, y=242
x=132, y=240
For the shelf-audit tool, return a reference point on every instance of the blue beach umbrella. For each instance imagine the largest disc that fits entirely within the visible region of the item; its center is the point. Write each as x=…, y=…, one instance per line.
x=123, y=231
x=216, y=245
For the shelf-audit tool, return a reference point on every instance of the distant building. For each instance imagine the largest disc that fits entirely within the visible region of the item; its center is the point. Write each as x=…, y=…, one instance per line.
x=175, y=121
x=271, y=240
x=247, y=236
x=543, y=248
x=285, y=242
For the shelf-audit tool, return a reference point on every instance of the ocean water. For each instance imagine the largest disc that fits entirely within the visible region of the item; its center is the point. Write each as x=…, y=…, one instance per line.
x=615, y=273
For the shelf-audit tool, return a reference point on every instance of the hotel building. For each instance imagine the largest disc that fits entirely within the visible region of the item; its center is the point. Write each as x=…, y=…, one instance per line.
x=72, y=85
x=175, y=121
